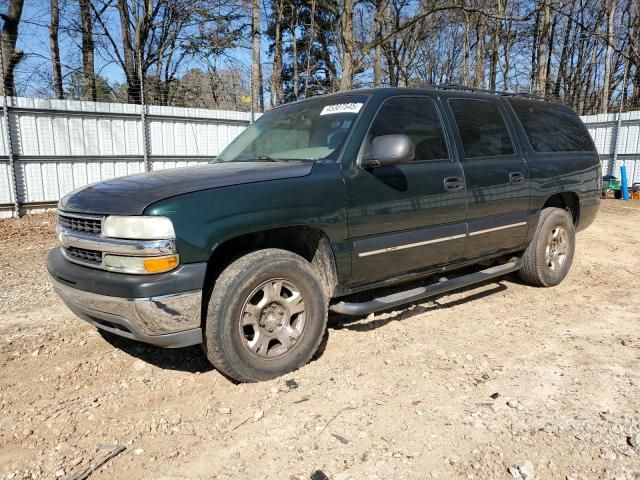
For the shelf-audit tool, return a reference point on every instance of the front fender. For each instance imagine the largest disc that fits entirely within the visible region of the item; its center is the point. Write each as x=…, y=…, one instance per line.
x=205, y=219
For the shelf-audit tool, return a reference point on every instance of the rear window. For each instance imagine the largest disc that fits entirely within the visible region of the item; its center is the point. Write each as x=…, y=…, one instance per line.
x=551, y=127
x=482, y=128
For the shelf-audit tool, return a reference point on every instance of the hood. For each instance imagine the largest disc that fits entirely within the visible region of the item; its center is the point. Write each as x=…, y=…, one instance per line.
x=131, y=195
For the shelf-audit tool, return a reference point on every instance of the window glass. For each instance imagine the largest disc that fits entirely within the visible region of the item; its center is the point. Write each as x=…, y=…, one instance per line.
x=309, y=130
x=417, y=118
x=551, y=127
x=482, y=128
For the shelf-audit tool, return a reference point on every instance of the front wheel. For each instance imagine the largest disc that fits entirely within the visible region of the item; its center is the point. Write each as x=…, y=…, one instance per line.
x=266, y=316
x=548, y=258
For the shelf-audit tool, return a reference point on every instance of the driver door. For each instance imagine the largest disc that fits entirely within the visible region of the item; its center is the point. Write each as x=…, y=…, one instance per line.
x=407, y=217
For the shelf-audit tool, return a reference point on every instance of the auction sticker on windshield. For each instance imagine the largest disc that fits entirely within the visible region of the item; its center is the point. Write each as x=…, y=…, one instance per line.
x=341, y=108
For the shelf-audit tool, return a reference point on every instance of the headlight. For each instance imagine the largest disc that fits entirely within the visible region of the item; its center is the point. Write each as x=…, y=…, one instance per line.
x=140, y=265
x=138, y=228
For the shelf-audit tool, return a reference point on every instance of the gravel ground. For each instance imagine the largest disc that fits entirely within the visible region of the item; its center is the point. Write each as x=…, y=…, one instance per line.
x=499, y=381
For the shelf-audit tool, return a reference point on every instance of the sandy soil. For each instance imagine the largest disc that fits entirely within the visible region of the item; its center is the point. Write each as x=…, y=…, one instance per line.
x=466, y=386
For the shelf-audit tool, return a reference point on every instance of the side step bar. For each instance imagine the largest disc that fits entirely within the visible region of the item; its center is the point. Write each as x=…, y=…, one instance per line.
x=410, y=296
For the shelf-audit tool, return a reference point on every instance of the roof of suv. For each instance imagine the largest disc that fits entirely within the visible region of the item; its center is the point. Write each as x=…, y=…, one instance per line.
x=439, y=89
x=444, y=90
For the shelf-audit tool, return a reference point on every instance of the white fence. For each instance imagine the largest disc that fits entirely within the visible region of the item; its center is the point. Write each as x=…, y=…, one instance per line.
x=60, y=145
x=618, y=142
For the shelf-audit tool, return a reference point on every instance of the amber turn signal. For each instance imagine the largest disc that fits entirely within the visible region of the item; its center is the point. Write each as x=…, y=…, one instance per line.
x=162, y=264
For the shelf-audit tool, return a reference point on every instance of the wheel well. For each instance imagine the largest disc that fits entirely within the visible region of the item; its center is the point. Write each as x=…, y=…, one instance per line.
x=310, y=243
x=567, y=201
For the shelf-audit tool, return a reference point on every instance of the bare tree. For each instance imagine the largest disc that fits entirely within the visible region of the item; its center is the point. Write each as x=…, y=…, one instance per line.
x=277, y=96
x=88, y=51
x=256, y=71
x=54, y=26
x=348, y=44
x=10, y=55
x=610, y=7
x=379, y=23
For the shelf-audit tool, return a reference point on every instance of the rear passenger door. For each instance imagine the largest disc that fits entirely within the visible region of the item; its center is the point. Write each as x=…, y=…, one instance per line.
x=496, y=176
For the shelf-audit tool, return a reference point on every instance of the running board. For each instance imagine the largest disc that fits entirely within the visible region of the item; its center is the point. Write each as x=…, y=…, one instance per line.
x=410, y=296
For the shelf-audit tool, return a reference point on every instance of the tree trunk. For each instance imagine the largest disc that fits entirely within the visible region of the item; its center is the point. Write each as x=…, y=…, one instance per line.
x=606, y=94
x=88, y=51
x=131, y=75
x=565, y=51
x=552, y=35
x=294, y=36
x=54, y=25
x=478, y=76
x=347, y=37
x=543, y=35
x=377, y=57
x=495, y=47
x=534, y=49
x=506, y=66
x=10, y=56
x=256, y=77
x=464, y=77
x=276, y=76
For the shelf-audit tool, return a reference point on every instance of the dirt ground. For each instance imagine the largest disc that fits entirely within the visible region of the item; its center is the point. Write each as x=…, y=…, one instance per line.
x=497, y=376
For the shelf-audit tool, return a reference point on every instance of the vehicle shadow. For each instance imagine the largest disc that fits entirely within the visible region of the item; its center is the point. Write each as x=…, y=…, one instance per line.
x=187, y=359
x=403, y=312
x=193, y=360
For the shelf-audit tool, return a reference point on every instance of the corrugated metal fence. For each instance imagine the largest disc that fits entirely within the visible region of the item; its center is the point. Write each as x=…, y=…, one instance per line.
x=617, y=138
x=60, y=145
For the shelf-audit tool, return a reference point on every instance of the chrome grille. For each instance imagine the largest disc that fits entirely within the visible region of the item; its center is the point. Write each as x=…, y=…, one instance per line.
x=80, y=223
x=84, y=255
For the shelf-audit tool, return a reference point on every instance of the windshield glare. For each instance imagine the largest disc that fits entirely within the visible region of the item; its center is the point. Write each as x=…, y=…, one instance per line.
x=306, y=131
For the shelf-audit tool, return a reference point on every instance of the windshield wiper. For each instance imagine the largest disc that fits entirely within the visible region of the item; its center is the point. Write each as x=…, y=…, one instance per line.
x=260, y=158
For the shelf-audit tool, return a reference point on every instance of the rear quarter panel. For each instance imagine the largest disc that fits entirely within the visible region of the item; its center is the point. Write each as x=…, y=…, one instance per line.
x=567, y=172
x=558, y=172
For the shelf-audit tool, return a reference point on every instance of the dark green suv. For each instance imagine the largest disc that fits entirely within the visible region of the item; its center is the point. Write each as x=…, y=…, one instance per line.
x=322, y=199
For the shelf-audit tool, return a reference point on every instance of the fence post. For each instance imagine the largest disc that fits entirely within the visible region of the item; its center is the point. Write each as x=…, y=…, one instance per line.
x=7, y=140
x=616, y=140
x=143, y=118
x=145, y=144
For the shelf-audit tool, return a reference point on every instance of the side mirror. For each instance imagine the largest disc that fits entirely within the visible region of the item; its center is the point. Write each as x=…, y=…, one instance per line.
x=389, y=150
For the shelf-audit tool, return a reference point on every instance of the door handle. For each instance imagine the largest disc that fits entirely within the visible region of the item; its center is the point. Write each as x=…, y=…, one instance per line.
x=453, y=183
x=516, y=177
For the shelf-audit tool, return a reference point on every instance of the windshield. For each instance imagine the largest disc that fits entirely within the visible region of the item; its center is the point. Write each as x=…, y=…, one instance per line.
x=307, y=131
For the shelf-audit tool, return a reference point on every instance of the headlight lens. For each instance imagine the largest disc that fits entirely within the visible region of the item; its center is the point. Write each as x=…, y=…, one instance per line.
x=138, y=228
x=140, y=265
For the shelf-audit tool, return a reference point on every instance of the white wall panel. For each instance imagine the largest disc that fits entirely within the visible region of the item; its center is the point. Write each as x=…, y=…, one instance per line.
x=5, y=183
x=604, y=131
x=3, y=147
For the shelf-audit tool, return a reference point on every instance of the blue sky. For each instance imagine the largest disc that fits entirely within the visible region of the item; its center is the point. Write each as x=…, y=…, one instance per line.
x=34, y=41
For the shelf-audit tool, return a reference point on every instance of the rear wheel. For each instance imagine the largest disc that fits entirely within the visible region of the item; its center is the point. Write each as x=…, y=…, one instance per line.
x=266, y=316
x=548, y=258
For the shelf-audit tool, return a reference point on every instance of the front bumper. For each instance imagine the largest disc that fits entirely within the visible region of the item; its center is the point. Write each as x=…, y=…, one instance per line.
x=165, y=316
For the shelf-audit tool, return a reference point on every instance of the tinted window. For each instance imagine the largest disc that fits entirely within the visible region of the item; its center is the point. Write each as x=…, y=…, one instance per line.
x=417, y=118
x=551, y=127
x=482, y=128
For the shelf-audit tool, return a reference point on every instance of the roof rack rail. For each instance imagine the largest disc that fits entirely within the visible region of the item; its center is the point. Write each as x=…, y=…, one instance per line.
x=457, y=86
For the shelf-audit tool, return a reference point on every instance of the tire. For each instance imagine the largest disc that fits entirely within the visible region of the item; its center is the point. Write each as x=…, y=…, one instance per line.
x=617, y=194
x=548, y=258
x=266, y=316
